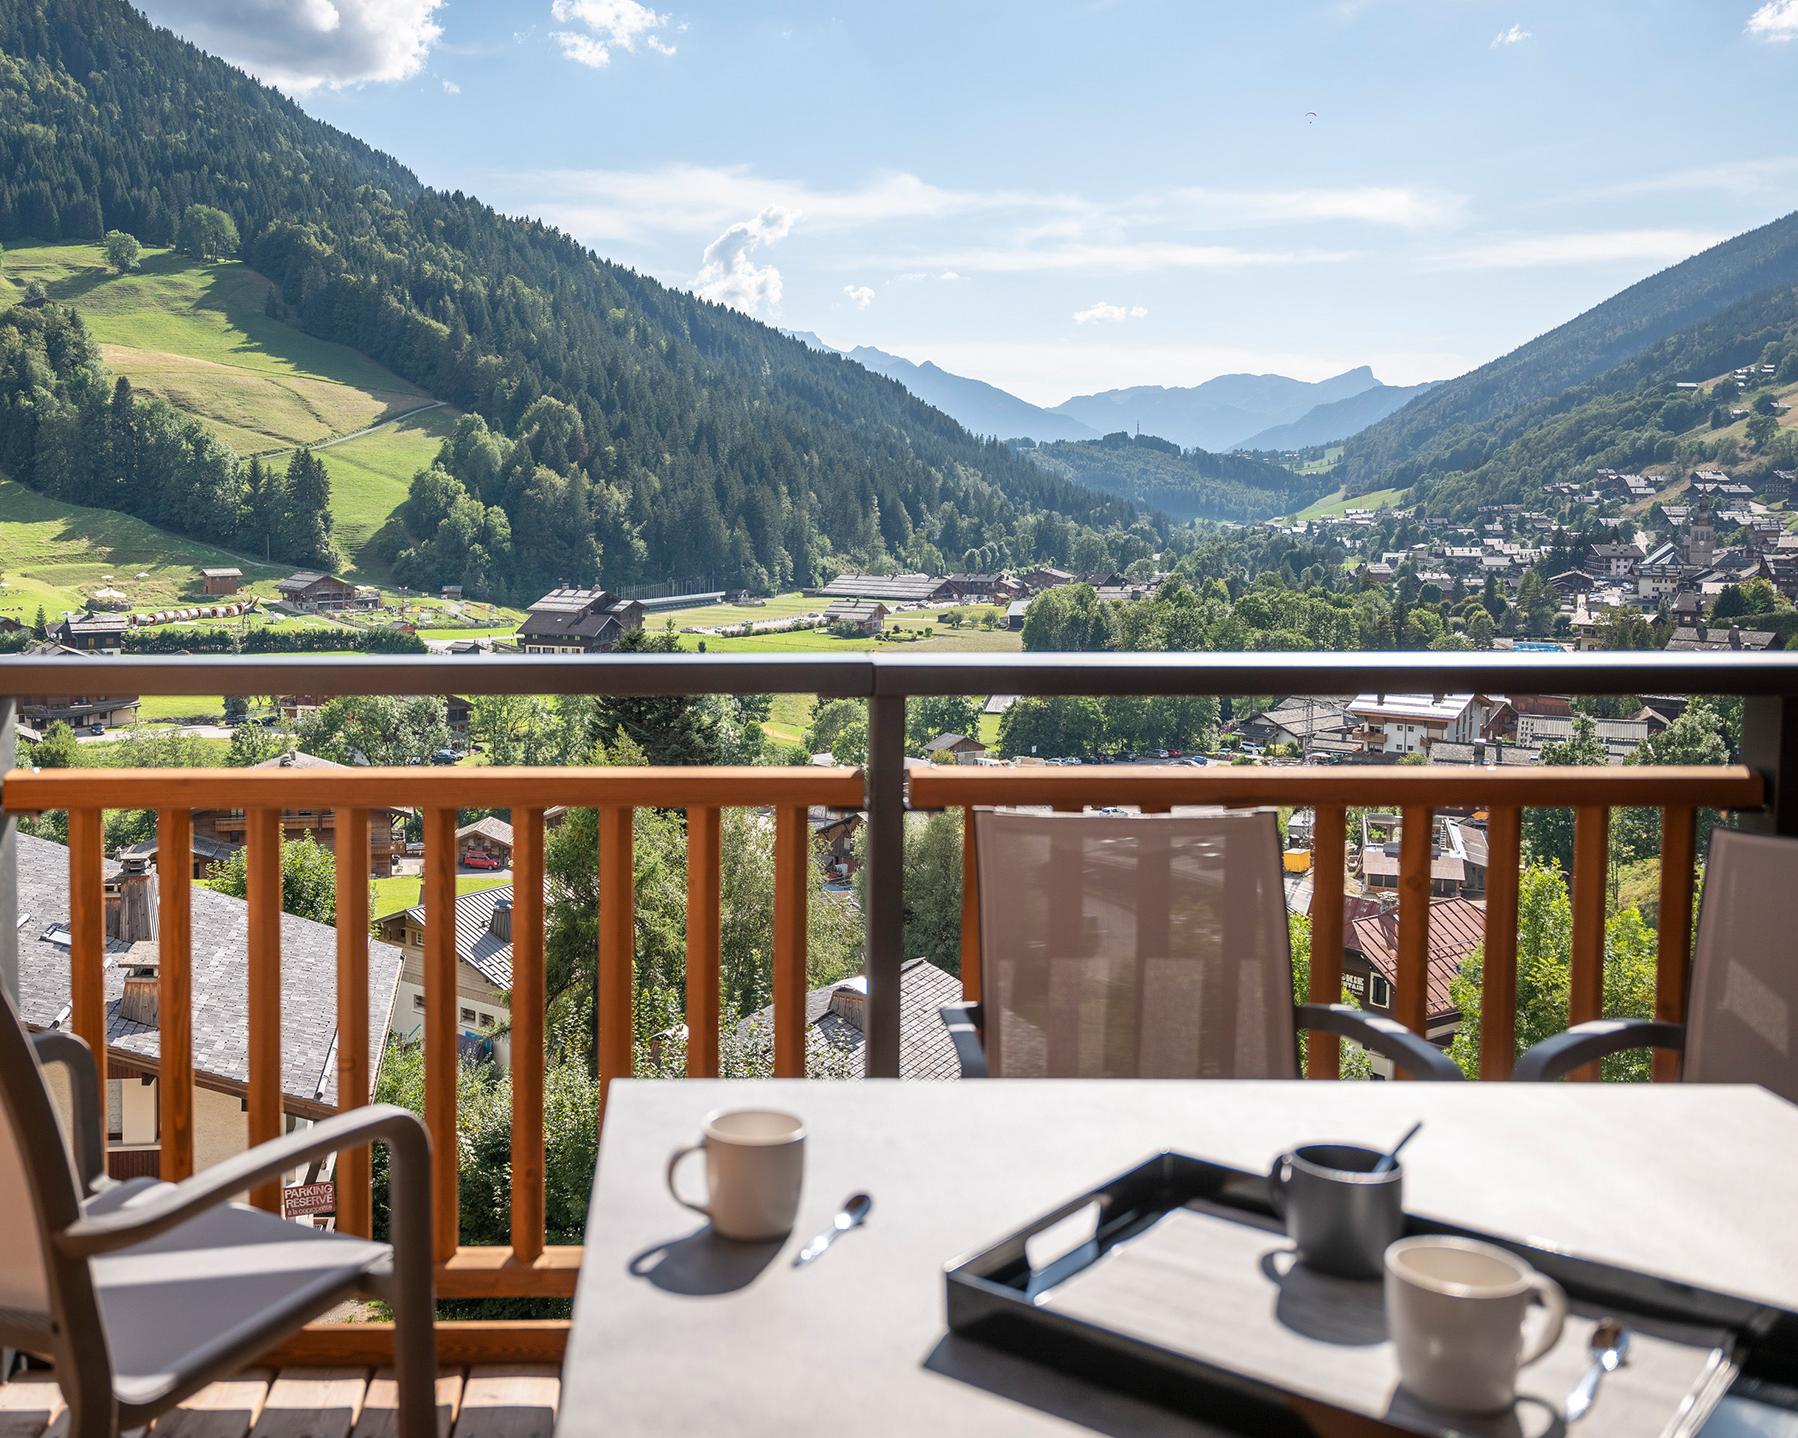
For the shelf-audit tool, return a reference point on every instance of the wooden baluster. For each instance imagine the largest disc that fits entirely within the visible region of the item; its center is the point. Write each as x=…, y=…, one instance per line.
x=970, y=909
x=617, y=947
x=87, y=939
x=354, y=1199
x=1412, y=999
x=1673, y=968
x=1591, y=861
x=705, y=952
x=1323, y=1052
x=441, y=1058
x=1498, y=982
x=174, y=992
x=262, y=829
x=528, y=999
x=792, y=878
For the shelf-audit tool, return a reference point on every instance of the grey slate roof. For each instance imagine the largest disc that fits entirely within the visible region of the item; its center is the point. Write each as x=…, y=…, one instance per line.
x=476, y=943
x=220, y=1003
x=491, y=827
x=925, y=1049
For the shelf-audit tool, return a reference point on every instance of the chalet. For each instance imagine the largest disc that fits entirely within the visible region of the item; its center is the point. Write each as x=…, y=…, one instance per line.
x=221, y=1029
x=1299, y=721
x=92, y=633
x=1660, y=573
x=226, y=827
x=1617, y=560
x=983, y=588
x=1710, y=639
x=578, y=621
x=1407, y=723
x=489, y=837
x=868, y=616
x=1045, y=577
x=80, y=708
x=483, y=965
x=221, y=581
x=953, y=749
x=833, y=839
x=836, y=1024
x=1379, y=856
x=892, y=588
x=310, y=592
x=1457, y=929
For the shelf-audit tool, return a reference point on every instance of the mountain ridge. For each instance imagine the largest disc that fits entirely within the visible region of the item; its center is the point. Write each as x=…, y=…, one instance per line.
x=1218, y=414
x=1339, y=419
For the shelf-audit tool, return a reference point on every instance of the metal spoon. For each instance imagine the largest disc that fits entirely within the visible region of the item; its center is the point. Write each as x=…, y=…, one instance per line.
x=1390, y=1157
x=853, y=1213
x=1609, y=1343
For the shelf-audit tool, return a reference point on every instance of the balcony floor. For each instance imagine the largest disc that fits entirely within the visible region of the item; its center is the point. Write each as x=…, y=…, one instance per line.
x=491, y=1401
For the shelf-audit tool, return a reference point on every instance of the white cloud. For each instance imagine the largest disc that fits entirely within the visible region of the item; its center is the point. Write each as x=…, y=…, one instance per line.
x=450, y=87
x=1776, y=21
x=1515, y=35
x=605, y=26
x=300, y=45
x=1118, y=257
x=728, y=272
x=1395, y=205
x=949, y=275
x=1731, y=177
x=1104, y=314
x=1592, y=247
x=859, y=295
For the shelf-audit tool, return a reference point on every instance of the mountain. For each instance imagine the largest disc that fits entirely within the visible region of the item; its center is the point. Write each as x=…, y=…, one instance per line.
x=1184, y=484
x=1435, y=433
x=977, y=406
x=1219, y=414
x=613, y=426
x=1338, y=419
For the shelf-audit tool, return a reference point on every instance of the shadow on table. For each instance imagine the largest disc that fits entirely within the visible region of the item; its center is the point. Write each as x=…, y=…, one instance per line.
x=701, y=1264
x=1344, y=1311
x=1073, y=1400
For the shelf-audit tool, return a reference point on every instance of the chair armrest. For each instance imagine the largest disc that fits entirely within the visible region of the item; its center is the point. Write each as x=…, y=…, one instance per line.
x=963, y=1023
x=55, y=1046
x=164, y=1208
x=1416, y=1056
x=1553, y=1058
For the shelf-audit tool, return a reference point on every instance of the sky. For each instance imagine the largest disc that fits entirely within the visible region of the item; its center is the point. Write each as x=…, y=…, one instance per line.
x=1065, y=196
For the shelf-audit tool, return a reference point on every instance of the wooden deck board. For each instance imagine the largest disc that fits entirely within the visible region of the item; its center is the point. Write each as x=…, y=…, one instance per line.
x=509, y=1401
x=492, y=1401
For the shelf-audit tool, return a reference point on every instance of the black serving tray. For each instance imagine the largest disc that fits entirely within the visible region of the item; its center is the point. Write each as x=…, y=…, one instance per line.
x=997, y=1297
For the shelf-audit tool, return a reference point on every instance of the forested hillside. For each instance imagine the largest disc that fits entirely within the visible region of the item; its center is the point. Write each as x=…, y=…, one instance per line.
x=1441, y=431
x=1183, y=484
x=638, y=429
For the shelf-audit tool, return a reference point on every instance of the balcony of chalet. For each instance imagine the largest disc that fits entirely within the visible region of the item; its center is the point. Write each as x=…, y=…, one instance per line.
x=131, y=994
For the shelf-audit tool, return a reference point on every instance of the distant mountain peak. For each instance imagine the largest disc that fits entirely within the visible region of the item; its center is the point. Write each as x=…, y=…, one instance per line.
x=1222, y=412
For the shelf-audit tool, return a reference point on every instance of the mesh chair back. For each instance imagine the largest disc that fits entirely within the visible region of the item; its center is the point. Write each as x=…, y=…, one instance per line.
x=1148, y=946
x=1742, y=1024
x=37, y=1185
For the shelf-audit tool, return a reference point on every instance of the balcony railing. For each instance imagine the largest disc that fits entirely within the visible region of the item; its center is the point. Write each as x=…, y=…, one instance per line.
x=1765, y=789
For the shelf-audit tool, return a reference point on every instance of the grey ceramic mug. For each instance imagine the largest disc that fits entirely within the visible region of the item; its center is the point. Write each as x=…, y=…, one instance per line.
x=1340, y=1214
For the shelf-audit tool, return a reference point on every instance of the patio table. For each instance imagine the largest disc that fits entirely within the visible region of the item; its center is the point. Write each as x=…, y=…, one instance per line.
x=675, y=1331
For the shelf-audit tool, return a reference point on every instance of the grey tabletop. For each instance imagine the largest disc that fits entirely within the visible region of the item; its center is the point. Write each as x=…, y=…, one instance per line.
x=681, y=1333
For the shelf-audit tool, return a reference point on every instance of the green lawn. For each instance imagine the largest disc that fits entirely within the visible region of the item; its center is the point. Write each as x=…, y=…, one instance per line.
x=935, y=639
x=52, y=553
x=1333, y=506
x=181, y=709
x=780, y=606
x=405, y=891
x=197, y=335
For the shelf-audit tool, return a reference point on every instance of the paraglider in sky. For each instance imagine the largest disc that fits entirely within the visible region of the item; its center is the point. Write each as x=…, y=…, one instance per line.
x=1310, y=117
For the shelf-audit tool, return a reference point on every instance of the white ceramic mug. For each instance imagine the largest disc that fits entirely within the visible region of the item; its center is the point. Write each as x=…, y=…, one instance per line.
x=1455, y=1309
x=754, y=1164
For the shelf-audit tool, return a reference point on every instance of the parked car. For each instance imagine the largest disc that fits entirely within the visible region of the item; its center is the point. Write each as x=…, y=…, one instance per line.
x=445, y=756
x=96, y=728
x=480, y=859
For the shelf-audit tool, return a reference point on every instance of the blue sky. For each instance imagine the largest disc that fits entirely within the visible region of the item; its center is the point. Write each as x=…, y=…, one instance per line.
x=1065, y=197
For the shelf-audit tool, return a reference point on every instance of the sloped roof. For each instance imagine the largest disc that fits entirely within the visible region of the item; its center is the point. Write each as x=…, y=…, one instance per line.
x=490, y=827
x=915, y=587
x=925, y=1049
x=220, y=1002
x=1457, y=928
x=476, y=944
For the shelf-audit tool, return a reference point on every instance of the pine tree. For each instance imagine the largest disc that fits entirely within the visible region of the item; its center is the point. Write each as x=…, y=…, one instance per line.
x=306, y=511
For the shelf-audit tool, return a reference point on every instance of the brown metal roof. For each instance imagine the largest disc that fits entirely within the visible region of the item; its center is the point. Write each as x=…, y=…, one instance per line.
x=1457, y=928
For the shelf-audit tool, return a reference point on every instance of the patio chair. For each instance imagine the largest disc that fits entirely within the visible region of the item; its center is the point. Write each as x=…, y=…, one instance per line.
x=141, y=1293
x=1742, y=1017
x=1149, y=946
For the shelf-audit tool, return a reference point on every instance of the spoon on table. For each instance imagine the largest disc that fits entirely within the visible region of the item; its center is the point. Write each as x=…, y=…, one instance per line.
x=1609, y=1344
x=852, y=1215
x=1389, y=1159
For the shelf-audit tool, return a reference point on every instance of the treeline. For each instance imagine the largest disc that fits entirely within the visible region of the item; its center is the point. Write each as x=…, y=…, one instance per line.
x=68, y=432
x=1183, y=484
x=161, y=640
x=1601, y=339
x=694, y=438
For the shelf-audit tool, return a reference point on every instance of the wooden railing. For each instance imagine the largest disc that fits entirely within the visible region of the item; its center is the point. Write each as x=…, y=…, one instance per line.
x=1418, y=792
x=527, y=1267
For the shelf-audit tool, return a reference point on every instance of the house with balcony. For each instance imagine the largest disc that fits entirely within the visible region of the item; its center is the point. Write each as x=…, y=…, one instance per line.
x=569, y=620
x=483, y=968
x=1411, y=723
x=79, y=705
x=309, y=592
x=489, y=838
x=867, y=616
x=131, y=961
x=91, y=633
x=225, y=828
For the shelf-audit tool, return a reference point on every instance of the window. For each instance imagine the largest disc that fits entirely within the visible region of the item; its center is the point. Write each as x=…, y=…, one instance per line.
x=1379, y=992
x=486, y=1021
x=467, y=1016
x=418, y=1002
x=115, y=1110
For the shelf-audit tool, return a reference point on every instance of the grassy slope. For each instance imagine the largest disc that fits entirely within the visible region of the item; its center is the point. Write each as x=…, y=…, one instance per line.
x=196, y=334
x=1335, y=503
